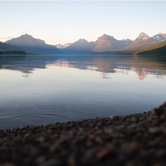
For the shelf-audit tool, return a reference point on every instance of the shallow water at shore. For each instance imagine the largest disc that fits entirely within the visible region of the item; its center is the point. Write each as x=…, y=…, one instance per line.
x=39, y=90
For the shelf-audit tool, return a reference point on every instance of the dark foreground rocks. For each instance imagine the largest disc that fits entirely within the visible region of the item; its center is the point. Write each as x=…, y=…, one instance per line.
x=132, y=140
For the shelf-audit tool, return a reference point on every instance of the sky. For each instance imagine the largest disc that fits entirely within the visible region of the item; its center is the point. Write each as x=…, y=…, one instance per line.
x=60, y=22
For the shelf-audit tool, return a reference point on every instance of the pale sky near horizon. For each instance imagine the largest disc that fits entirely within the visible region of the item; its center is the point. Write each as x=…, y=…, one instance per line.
x=68, y=21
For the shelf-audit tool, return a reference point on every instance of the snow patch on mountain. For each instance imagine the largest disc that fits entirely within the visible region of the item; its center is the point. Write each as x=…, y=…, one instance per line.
x=61, y=46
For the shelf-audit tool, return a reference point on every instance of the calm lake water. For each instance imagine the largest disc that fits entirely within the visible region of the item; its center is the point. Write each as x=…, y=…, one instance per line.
x=37, y=90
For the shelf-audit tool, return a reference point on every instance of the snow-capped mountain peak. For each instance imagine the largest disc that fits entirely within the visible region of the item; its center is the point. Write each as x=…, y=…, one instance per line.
x=142, y=36
x=61, y=46
x=160, y=37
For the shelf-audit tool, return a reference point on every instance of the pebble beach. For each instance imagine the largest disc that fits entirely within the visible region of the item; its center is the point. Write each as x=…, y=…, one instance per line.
x=129, y=140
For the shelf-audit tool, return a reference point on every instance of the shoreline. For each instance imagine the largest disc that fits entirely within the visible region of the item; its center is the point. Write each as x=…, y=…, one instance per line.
x=129, y=140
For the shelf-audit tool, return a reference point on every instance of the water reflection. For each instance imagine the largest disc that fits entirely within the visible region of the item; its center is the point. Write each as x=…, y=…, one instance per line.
x=143, y=66
x=62, y=88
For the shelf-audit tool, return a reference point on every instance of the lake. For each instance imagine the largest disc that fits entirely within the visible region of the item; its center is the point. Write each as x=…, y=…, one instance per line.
x=36, y=90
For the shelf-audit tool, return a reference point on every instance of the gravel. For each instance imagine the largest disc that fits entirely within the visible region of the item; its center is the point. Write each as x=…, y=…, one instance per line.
x=129, y=140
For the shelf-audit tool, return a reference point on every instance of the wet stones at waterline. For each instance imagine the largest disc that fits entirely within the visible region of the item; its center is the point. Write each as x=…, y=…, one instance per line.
x=130, y=140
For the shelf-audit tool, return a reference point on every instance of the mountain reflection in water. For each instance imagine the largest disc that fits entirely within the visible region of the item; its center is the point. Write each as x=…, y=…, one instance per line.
x=104, y=64
x=46, y=89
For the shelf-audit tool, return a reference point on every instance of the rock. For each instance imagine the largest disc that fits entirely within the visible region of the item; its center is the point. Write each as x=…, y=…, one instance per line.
x=155, y=130
x=40, y=159
x=51, y=162
x=8, y=164
x=115, y=117
x=161, y=153
x=134, y=119
x=132, y=126
x=164, y=105
x=104, y=152
x=156, y=111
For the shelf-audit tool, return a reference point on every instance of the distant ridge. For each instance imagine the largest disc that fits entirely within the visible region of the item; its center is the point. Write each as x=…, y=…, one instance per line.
x=141, y=43
x=160, y=37
x=29, y=43
x=60, y=46
x=102, y=44
x=4, y=47
x=8, y=49
x=108, y=44
x=142, y=37
x=155, y=49
x=80, y=46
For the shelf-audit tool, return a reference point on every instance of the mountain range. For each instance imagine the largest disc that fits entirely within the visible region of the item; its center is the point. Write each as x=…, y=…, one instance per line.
x=104, y=44
x=31, y=44
x=109, y=44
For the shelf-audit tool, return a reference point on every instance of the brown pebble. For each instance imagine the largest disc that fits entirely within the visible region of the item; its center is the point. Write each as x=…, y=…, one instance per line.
x=155, y=130
x=103, y=152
